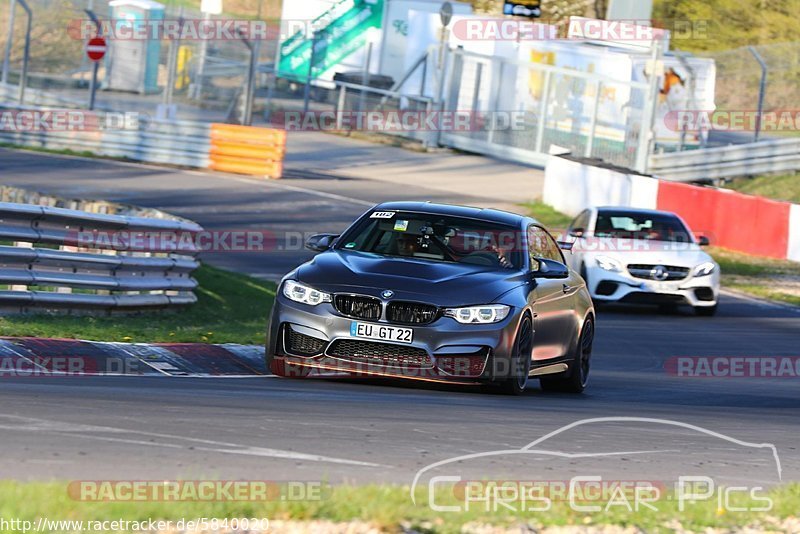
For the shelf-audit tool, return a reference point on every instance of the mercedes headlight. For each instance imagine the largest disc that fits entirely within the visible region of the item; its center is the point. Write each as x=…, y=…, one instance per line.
x=490, y=313
x=704, y=269
x=609, y=264
x=302, y=293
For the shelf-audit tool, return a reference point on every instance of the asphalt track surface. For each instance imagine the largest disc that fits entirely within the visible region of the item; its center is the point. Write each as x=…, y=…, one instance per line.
x=375, y=431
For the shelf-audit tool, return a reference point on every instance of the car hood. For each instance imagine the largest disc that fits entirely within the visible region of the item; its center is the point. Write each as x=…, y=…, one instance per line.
x=629, y=251
x=440, y=283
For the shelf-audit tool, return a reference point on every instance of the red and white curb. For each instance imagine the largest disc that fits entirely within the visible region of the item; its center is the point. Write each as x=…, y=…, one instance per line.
x=25, y=357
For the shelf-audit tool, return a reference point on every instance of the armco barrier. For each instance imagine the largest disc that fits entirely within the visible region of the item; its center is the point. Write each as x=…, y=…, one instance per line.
x=740, y=222
x=708, y=164
x=247, y=150
x=224, y=147
x=93, y=261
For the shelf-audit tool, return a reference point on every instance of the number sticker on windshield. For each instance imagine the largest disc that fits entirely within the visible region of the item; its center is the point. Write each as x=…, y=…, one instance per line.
x=382, y=215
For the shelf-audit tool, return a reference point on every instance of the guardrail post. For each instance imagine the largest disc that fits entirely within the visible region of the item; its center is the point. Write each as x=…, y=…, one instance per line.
x=340, y=105
x=23, y=79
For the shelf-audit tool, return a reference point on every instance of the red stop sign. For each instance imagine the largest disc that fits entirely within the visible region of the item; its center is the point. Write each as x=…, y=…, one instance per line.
x=96, y=48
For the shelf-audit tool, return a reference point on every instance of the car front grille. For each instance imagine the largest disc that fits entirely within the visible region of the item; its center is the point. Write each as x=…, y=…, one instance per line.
x=300, y=344
x=384, y=354
x=644, y=271
x=411, y=312
x=358, y=306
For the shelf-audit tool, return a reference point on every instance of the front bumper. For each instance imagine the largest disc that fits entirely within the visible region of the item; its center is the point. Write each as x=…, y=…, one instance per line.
x=444, y=350
x=607, y=286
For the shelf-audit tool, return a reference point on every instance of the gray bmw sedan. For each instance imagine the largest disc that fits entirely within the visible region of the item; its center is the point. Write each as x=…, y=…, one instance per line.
x=436, y=292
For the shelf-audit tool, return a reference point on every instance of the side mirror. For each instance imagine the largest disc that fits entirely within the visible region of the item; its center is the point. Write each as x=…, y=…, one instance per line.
x=703, y=241
x=320, y=242
x=565, y=245
x=576, y=232
x=550, y=269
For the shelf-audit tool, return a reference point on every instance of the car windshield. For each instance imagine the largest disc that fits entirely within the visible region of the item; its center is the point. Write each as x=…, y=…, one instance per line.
x=634, y=225
x=436, y=237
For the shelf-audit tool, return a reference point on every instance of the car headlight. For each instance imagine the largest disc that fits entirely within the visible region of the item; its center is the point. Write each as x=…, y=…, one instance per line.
x=704, y=269
x=490, y=313
x=302, y=293
x=609, y=264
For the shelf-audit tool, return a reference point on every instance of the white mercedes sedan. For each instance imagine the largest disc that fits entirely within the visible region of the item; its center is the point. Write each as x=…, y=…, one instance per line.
x=638, y=256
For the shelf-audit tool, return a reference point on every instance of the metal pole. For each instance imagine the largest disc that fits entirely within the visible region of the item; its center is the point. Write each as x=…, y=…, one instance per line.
x=648, y=113
x=494, y=94
x=93, y=84
x=598, y=87
x=23, y=80
x=365, y=77
x=543, y=111
x=198, y=85
x=310, y=75
x=762, y=88
x=172, y=62
x=247, y=117
x=9, y=42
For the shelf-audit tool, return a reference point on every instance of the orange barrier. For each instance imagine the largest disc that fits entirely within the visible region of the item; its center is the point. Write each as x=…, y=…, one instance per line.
x=247, y=150
x=746, y=223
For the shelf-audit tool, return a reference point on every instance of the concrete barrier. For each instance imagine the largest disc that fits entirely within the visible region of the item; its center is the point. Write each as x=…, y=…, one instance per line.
x=571, y=186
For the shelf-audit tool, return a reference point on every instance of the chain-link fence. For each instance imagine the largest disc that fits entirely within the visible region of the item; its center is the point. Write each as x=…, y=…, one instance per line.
x=739, y=79
x=209, y=76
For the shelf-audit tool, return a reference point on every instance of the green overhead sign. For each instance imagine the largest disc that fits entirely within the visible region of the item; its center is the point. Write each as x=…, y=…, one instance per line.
x=341, y=31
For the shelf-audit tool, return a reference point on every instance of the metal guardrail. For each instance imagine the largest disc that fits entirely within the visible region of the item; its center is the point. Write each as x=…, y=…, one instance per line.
x=231, y=148
x=91, y=261
x=709, y=164
x=151, y=140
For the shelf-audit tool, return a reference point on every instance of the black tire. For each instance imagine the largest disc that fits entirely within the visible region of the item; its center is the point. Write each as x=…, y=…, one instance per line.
x=521, y=365
x=706, y=311
x=578, y=377
x=280, y=367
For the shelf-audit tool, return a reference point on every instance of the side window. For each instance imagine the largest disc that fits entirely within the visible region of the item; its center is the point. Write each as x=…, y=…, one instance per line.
x=580, y=223
x=542, y=245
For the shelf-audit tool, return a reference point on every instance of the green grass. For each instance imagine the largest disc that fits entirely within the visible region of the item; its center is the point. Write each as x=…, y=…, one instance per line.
x=761, y=277
x=546, y=215
x=231, y=308
x=388, y=507
x=779, y=187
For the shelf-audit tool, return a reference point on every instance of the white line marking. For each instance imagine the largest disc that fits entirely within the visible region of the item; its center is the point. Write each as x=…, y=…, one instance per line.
x=200, y=172
x=63, y=427
x=306, y=190
x=760, y=302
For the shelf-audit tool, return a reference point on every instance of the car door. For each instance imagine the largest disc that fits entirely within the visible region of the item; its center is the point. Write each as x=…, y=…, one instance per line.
x=553, y=300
